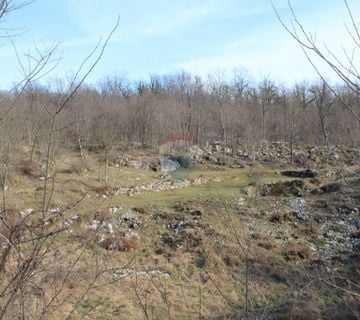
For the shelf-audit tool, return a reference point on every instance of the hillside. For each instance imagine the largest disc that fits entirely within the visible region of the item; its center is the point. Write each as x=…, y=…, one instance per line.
x=230, y=239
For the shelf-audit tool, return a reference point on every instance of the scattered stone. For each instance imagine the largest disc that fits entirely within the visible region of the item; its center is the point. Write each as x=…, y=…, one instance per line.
x=250, y=191
x=177, y=226
x=75, y=218
x=95, y=224
x=135, y=164
x=274, y=152
x=26, y=212
x=123, y=273
x=113, y=210
x=299, y=207
x=163, y=185
x=212, y=159
x=334, y=157
x=131, y=219
x=240, y=202
x=185, y=229
x=195, y=152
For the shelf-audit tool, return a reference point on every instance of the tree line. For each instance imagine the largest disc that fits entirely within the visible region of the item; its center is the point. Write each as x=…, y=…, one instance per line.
x=234, y=111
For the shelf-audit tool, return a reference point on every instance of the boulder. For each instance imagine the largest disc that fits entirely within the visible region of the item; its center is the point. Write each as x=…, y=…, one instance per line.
x=299, y=207
x=185, y=162
x=169, y=164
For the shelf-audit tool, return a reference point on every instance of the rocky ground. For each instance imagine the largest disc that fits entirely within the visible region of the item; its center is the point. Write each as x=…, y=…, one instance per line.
x=277, y=153
x=212, y=233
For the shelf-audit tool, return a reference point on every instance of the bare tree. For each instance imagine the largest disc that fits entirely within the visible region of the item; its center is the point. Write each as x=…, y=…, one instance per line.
x=220, y=91
x=240, y=85
x=323, y=100
x=8, y=6
x=267, y=94
x=344, y=68
x=298, y=102
x=117, y=85
x=29, y=237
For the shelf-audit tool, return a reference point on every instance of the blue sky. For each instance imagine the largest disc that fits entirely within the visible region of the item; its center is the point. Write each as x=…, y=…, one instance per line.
x=161, y=36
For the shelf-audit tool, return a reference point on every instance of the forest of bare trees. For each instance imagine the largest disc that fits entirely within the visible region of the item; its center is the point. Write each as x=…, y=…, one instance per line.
x=236, y=111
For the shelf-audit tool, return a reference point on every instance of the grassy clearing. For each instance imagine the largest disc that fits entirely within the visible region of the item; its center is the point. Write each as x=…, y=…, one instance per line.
x=232, y=185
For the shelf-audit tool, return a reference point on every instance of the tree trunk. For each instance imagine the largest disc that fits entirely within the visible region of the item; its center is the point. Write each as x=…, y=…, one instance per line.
x=263, y=123
x=222, y=123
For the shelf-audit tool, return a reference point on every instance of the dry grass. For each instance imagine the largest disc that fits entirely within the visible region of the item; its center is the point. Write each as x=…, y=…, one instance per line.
x=207, y=266
x=296, y=251
x=28, y=167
